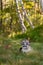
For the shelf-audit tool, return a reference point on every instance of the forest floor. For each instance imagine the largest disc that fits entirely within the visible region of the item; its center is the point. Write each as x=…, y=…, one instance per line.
x=10, y=54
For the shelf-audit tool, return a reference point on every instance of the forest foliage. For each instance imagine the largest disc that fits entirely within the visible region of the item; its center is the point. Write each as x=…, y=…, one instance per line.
x=9, y=20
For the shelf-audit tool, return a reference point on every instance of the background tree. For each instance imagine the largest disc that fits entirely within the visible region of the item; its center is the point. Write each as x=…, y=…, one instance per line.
x=1, y=9
x=11, y=22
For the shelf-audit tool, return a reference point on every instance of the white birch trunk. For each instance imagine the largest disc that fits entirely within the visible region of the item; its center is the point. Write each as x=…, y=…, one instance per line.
x=20, y=18
x=25, y=14
x=41, y=4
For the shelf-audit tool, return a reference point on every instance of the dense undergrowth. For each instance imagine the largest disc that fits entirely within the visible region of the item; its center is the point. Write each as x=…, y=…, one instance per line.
x=35, y=35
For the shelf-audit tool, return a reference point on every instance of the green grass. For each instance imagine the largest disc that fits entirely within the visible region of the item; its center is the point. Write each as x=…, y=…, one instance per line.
x=10, y=54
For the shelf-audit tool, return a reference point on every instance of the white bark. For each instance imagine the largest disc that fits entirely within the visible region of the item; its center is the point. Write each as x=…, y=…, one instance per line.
x=25, y=14
x=20, y=17
x=41, y=4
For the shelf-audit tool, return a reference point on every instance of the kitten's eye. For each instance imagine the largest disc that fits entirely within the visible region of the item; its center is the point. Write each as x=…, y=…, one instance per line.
x=26, y=43
x=23, y=43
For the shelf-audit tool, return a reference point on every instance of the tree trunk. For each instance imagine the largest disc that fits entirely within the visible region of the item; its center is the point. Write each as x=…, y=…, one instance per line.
x=41, y=4
x=25, y=14
x=20, y=18
x=1, y=7
x=11, y=20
